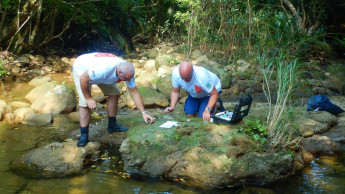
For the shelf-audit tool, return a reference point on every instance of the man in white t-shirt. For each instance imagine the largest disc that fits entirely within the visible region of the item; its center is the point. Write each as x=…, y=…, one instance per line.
x=105, y=70
x=203, y=87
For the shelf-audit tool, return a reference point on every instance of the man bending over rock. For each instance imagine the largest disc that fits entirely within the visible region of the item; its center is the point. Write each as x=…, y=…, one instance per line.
x=203, y=87
x=105, y=70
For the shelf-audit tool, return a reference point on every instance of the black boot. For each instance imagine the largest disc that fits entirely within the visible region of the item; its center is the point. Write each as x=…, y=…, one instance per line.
x=221, y=107
x=113, y=127
x=84, y=138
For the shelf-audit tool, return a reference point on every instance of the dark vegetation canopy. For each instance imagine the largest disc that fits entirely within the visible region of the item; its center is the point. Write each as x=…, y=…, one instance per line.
x=231, y=27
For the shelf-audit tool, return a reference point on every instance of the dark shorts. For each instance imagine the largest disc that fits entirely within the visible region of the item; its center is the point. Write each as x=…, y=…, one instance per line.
x=194, y=105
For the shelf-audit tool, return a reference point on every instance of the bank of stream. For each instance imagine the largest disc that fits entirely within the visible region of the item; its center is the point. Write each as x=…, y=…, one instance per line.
x=326, y=174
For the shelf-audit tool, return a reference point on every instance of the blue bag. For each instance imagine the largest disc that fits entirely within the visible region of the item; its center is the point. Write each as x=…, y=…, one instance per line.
x=321, y=102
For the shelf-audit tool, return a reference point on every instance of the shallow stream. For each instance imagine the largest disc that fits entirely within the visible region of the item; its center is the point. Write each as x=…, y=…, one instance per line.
x=325, y=174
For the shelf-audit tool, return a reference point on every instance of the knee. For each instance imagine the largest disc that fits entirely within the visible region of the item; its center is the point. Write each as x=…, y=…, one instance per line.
x=113, y=97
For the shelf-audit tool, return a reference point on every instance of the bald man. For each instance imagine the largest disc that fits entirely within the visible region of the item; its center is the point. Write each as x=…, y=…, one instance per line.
x=105, y=70
x=203, y=87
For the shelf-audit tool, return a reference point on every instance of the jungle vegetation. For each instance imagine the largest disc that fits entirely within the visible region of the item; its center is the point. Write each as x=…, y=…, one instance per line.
x=231, y=27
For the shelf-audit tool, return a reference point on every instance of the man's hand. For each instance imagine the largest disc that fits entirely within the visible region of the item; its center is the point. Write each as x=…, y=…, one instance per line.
x=206, y=115
x=168, y=109
x=91, y=103
x=148, y=119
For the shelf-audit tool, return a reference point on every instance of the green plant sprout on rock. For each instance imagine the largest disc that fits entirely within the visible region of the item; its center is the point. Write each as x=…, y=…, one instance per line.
x=256, y=130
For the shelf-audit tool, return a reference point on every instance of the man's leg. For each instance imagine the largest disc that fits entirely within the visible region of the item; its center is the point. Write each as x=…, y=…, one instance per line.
x=191, y=106
x=84, y=119
x=84, y=112
x=113, y=93
x=112, y=104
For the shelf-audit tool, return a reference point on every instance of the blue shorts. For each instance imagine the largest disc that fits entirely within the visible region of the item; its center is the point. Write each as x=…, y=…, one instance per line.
x=194, y=105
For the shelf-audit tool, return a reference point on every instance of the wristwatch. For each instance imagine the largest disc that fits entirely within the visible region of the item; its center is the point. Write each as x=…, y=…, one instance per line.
x=208, y=108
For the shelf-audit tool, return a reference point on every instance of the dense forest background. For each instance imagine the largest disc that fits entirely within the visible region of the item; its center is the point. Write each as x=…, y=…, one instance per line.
x=307, y=28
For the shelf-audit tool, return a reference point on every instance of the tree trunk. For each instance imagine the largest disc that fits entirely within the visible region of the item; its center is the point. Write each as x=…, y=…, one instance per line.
x=295, y=14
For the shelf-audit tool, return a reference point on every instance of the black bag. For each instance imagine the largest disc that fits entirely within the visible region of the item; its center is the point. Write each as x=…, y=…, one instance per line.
x=241, y=110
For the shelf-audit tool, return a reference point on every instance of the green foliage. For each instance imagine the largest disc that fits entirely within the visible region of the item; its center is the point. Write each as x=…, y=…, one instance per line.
x=3, y=72
x=281, y=114
x=256, y=130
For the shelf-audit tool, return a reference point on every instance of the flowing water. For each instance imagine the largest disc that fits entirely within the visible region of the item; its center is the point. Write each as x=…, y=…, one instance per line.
x=325, y=174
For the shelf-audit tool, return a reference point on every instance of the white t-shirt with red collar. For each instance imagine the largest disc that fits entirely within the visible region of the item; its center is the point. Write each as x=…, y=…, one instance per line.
x=101, y=68
x=200, y=85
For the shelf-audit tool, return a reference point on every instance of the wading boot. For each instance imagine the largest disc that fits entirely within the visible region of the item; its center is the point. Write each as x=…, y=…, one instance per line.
x=113, y=127
x=84, y=137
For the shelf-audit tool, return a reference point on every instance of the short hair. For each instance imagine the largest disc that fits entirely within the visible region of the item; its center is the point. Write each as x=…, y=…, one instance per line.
x=126, y=68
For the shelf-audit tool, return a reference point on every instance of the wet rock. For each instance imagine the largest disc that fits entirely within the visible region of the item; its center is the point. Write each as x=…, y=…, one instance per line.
x=329, y=142
x=4, y=108
x=10, y=117
x=50, y=98
x=22, y=61
x=73, y=117
x=99, y=133
x=39, y=80
x=316, y=122
x=55, y=160
x=205, y=154
x=39, y=119
x=58, y=65
x=150, y=98
x=22, y=113
x=38, y=91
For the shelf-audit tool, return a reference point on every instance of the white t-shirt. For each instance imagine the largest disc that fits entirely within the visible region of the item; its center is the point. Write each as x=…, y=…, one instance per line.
x=101, y=68
x=201, y=83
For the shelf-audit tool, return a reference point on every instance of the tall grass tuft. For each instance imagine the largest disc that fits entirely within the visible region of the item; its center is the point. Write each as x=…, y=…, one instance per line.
x=279, y=119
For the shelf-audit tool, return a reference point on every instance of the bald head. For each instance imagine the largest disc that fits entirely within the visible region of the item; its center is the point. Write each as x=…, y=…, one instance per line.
x=125, y=70
x=186, y=71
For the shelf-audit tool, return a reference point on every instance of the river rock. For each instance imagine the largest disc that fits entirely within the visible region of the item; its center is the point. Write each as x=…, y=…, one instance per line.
x=205, y=154
x=99, y=132
x=4, y=108
x=164, y=86
x=73, y=117
x=316, y=122
x=153, y=53
x=242, y=65
x=38, y=91
x=39, y=119
x=150, y=98
x=55, y=160
x=22, y=113
x=329, y=142
x=146, y=80
x=39, y=80
x=163, y=60
x=50, y=98
x=164, y=71
x=150, y=65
